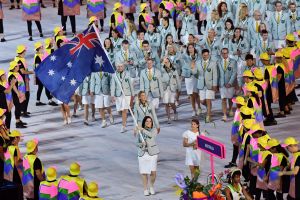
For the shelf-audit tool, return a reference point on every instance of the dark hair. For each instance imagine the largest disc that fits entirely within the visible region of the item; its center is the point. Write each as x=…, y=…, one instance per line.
x=144, y=121
x=169, y=16
x=231, y=22
x=292, y=3
x=204, y=51
x=171, y=65
x=246, y=116
x=264, y=31
x=249, y=56
x=139, y=32
x=256, y=98
x=219, y=8
x=225, y=48
x=232, y=175
x=145, y=42
x=125, y=42
x=196, y=121
x=116, y=31
x=167, y=19
x=276, y=2
x=241, y=37
x=169, y=34
x=111, y=48
x=187, y=49
x=188, y=7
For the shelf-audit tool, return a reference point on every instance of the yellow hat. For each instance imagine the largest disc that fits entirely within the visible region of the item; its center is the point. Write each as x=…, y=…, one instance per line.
x=289, y=141
x=15, y=133
x=235, y=170
x=92, y=19
x=20, y=48
x=273, y=142
x=290, y=37
x=57, y=30
x=2, y=111
x=75, y=169
x=298, y=44
x=47, y=42
x=246, y=110
x=257, y=127
x=12, y=65
x=263, y=140
x=239, y=100
x=278, y=54
x=51, y=174
x=93, y=189
x=38, y=45
x=264, y=56
x=251, y=88
x=143, y=6
x=31, y=145
x=117, y=5
x=258, y=74
x=248, y=73
x=2, y=72
x=287, y=52
x=248, y=123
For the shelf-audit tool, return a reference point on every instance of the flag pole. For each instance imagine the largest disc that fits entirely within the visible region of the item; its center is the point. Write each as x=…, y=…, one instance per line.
x=119, y=83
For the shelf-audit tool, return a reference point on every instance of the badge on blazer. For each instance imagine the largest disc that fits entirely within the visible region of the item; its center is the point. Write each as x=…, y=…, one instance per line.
x=126, y=79
x=149, y=111
x=283, y=21
x=155, y=40
x=154, y=78
x=105, y=74
x=218, y=28
x=229, y=68
x=242, y=45
x=118, y=46
x=190, y=20
x=208, y=69
x=174, y=76
x=297, y=18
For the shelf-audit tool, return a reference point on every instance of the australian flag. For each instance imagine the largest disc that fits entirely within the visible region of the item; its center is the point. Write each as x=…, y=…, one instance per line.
x=65, y=69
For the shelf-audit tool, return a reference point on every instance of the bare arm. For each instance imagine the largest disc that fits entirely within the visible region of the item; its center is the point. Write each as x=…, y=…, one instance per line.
x=39, y=175
x=227, y=194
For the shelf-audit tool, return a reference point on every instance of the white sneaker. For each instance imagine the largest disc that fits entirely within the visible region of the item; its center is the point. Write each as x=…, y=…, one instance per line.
x=176, y=116
x=65, y=122
x=169, y=121
x=194, y=114
x=80, y=108
x=224, y=118
x=231, y=113
x=103, y=125
x=146, y=193
x=86, y=122
x=176, y=103
x=123, y=129
x=69, y=120
x=152, y=192
x=199, y=111
x=111, y=120
x=93, y=118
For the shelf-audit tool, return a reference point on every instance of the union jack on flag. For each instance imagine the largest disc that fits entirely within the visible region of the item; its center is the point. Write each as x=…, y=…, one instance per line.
x=65, y=69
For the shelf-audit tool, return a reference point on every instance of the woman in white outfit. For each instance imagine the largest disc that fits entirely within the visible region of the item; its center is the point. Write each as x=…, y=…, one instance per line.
x=147, y=154
x=193, y=155
x=171, y=86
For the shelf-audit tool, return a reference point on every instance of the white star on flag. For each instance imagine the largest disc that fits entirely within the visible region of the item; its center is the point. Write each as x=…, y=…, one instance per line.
x=73, y=82
x=69, y=64
x=99, y=60
x=63, y=78
x=51, y=72
x=53, y=58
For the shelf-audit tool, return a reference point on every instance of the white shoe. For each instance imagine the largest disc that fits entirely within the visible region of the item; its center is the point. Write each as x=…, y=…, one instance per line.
x=194, y=114
x=176, y=116
x=65, y=122
x=93, y=118
x=80, y=108
x=224, y=118
x=152, y=192
x=69, y=120
x=176, y=103
x=169, y=121
x=111, y=120
x=103, y=125
x=146, y=193
x=123, y=129
x=86, y=122
x=199, y=111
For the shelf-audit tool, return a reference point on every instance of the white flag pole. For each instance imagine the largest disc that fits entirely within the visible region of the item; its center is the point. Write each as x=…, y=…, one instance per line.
x=118, y=82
